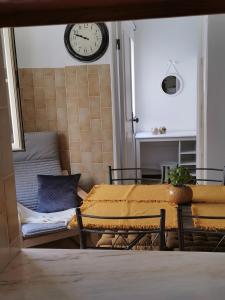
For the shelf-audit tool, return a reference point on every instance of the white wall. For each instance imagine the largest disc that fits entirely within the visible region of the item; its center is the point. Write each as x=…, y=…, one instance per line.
x=215, y=110
x=43, y=47
x=157, y=42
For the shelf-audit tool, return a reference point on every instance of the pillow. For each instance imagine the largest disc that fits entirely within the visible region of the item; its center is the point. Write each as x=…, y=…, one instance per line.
x=57, y=193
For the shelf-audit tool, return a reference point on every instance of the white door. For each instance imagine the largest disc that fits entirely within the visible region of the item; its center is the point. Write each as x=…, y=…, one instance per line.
x=127, y=93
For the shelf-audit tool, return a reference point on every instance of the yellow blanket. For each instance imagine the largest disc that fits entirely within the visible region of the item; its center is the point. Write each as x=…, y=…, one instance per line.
x=127, y=200
x=209, y=209
x=134, y=200
x=153, y=193
x=208, y=193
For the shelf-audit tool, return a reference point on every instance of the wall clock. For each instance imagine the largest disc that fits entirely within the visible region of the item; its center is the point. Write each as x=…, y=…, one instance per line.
x=86, y=42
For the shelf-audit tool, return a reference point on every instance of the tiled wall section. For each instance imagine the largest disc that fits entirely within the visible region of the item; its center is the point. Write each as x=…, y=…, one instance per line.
x=75, y=102
x=9, y=227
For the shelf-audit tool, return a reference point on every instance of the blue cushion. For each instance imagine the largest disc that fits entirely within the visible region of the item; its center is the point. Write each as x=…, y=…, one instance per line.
x=57, y=193
x=34, y=230
x=26, y=179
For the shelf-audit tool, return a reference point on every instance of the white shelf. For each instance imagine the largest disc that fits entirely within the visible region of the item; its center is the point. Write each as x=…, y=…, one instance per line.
x=188, y=152
x=191, y=163
x=176, y=146
x=169, y=134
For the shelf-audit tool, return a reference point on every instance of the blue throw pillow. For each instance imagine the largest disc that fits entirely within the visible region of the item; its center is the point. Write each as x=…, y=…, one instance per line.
x=57, y=193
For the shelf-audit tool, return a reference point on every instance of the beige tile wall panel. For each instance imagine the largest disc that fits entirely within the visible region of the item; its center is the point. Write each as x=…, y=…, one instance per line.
x=75, y=102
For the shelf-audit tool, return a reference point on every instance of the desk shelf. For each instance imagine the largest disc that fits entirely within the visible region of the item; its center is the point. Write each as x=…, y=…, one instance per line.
x=187, y=153
x=155, y=150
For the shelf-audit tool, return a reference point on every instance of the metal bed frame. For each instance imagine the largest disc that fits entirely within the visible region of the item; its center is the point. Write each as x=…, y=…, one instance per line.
x=180, y=216
x=135, y=179
x=195, y=180
x=140, y=233
x=182, y=230
x=165, y=170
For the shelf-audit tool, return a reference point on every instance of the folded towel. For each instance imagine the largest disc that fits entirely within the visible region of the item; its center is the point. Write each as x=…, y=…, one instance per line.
x=29, y=216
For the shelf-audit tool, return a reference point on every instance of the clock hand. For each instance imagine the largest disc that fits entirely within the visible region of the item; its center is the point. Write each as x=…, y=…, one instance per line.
x=81, y=36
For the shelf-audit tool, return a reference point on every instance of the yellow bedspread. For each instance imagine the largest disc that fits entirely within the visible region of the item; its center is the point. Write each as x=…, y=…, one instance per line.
x=208, y=193
x=105, y=192
x=209, y=209
x=136, y=200
x=127, y=200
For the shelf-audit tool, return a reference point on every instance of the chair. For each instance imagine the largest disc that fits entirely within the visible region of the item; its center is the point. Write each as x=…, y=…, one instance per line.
x=197, y=231
x=41, y=157
x=138, y=234
x=218, y=173
x=130, y=175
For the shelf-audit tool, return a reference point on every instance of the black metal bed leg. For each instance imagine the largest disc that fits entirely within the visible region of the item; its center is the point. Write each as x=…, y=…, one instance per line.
x=180, y=228
x=224, y=175
x=163, y=175
x=162, y=241
x=110, y=175
x=80, y=228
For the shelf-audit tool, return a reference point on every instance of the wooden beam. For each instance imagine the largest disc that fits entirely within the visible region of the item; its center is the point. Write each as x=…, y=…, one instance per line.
x=44, y=12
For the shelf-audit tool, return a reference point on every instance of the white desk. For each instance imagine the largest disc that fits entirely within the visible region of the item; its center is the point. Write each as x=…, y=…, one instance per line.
x=113, y=275
x=169, y=136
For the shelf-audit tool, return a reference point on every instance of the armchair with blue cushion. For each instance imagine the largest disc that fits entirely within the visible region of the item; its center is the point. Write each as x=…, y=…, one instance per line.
x=41, y=157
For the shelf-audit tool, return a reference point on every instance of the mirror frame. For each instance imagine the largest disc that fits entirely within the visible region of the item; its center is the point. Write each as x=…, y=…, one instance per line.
x=181, y=84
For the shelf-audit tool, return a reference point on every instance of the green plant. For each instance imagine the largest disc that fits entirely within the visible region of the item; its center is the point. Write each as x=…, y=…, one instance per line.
x=179, y=176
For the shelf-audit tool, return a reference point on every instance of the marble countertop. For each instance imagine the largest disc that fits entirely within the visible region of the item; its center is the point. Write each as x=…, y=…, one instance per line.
x=168, y=134
x=41, y=274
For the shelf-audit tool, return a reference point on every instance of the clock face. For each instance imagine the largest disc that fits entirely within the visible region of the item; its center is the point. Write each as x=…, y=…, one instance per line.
x=86, y=41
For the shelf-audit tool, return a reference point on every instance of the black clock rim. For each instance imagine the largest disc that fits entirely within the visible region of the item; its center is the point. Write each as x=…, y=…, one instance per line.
x=91, y=58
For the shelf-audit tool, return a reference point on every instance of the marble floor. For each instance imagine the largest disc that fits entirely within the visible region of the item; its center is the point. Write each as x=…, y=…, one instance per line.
x=41, y=274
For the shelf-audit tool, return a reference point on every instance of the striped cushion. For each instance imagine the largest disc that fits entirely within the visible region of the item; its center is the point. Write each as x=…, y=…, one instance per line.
x=40, y=158
x=34, y=230
x=26, y=179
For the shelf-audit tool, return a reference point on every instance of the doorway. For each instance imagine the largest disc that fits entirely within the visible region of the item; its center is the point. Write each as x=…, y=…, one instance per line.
x=146, y=54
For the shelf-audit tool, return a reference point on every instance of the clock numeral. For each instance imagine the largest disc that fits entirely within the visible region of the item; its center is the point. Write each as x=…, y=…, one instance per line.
x=85, y=25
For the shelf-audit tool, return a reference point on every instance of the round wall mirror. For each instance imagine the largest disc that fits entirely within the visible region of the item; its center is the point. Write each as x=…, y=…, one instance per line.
x=172, y=84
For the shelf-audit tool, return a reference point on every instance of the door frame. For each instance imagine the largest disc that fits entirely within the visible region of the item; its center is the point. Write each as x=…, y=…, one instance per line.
x=116, y=99
x=201, y=128
x=118, y=88
x=201, y=138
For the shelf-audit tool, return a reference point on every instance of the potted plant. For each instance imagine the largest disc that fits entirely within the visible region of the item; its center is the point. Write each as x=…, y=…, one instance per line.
x=179, y=193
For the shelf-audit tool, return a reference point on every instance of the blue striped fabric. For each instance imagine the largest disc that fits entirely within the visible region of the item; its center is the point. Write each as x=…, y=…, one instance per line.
x=26, y=179
x=35, y=229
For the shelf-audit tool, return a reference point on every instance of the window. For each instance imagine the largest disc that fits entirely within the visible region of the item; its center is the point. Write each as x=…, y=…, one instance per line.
x=13, y=89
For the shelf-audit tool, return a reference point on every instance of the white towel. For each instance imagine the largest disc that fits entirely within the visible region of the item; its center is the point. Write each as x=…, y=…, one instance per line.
x=27, y=215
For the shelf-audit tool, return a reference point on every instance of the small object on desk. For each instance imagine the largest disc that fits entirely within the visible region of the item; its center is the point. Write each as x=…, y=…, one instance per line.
x=162, y=130
x=155, y=130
